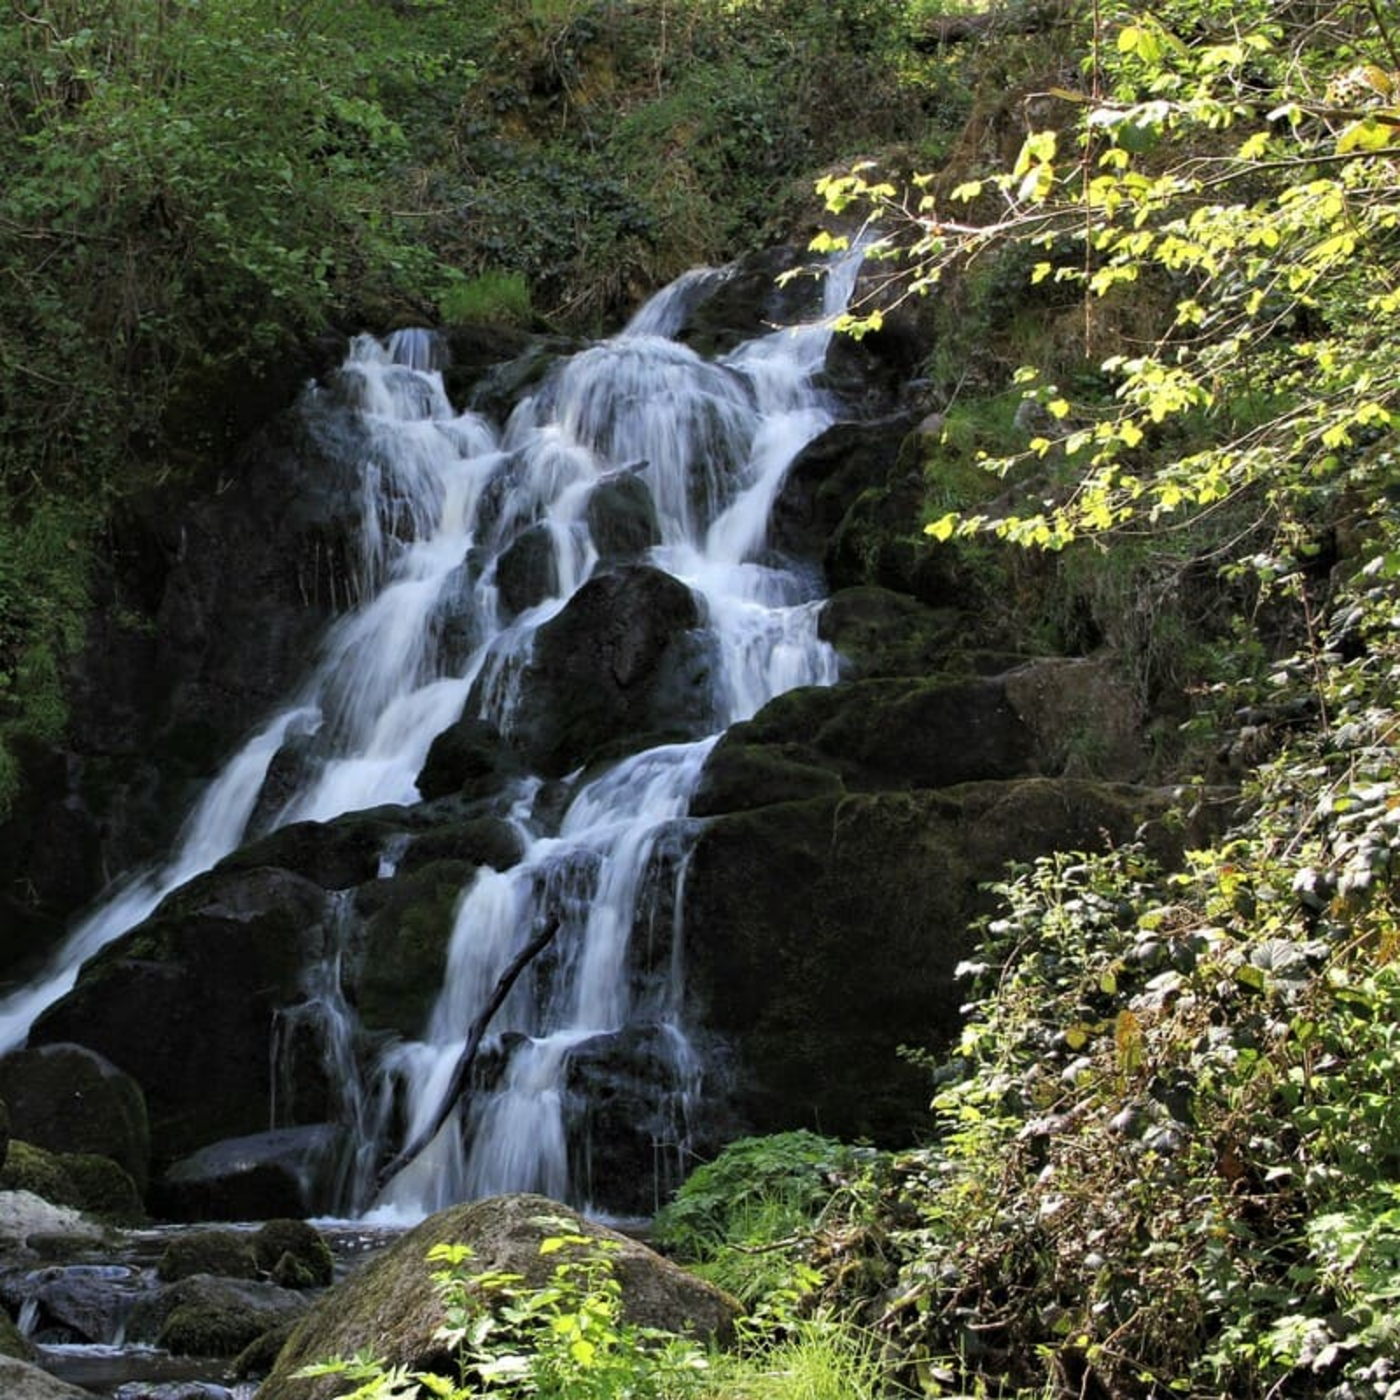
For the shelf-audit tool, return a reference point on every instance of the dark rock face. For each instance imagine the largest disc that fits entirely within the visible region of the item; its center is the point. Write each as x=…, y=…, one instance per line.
x=392, y=1308
x=184, y=1003
x=470, y=758
x=618, y=666
x=210, y=598
x=67, y=1098
x=820, y=935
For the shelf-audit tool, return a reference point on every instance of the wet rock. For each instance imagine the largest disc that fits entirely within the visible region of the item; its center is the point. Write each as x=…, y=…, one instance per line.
x=829, y=475
x=286, y=1172
x=76, y=1304
x=19, y=1380
x=392, y=1308
x=208, y=1316
x=408, y=926
x=334, y=855
x=527, y=572
x=4, y=1132
x=622, y=518
x=102, y=1188
x=470, y=757
x=184, y=1003
x=618, y=666
x=68, y=1098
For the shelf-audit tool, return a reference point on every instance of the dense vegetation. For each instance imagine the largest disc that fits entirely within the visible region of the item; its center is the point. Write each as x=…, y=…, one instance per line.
x=1163, y=1160
x=192, y=193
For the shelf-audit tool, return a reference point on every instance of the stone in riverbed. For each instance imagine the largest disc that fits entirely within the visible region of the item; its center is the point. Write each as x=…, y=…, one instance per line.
x=208, y=1316
x=283, y=1173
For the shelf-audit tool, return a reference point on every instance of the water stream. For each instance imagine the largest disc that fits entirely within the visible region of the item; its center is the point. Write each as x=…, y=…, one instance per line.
x=444, y=497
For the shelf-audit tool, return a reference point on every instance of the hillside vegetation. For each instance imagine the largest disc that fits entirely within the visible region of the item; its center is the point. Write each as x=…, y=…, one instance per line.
x=1164, y=1159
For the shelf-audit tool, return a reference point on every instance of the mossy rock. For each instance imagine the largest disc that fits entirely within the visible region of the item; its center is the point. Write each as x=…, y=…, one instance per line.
x=260, y=1355
x=30, y=1168
x=103, y=1189
x=622, y=519
x=406, y=942
x=224, y=1253
x=879, y=632
x=393, y=1309
x=208, y=1316
x=294, y=1253
x=4, y=1133
x=69, y=1098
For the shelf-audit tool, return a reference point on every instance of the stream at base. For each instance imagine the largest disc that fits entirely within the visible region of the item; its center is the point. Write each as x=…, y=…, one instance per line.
x=80, y=1308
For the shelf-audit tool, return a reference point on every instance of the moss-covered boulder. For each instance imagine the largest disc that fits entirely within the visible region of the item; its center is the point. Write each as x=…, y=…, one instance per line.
x=95, y=1185
x=882, y=633
x=334, y=855
x=294, y=1254
x=4, y=1132
x=225, y=1253
x=409, y=922
x=185, y=1002
x=30, y=1168
x=208, y=1316
x=103, y=1188
x=468, y=757
x=69, y=1098
x=392, y=1308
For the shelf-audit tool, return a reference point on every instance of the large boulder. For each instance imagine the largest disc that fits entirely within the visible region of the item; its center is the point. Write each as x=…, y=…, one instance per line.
x=286, y=1172
x=68, y=1098
x=621, y=665
x=392, y=1309
x=185, y=1002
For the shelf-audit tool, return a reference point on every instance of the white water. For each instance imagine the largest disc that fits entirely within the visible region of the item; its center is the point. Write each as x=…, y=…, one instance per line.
x=712, y=441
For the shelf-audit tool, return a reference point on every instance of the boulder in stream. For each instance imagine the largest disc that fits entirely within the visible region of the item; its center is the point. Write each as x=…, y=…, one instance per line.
x=393, y=1310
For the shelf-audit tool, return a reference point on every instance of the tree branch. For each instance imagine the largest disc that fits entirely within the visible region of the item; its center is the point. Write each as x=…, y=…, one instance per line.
x=467, y=1058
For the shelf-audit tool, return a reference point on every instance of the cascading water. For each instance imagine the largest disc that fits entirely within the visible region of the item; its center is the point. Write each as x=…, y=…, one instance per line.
x=445, y=497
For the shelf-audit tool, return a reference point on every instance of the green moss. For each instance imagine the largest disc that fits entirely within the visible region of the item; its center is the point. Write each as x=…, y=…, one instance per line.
x=103, y=1189
x=30, y=1168
x=406, y=946
x=294, y=1253
x=224, y=1253
x=210, y=1329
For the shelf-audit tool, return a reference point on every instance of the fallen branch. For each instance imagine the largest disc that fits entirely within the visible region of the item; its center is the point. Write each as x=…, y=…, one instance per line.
x=933, y=34
x=467, y=1058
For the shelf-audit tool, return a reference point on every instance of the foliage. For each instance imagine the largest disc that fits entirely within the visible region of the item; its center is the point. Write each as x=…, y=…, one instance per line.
x=501, y=298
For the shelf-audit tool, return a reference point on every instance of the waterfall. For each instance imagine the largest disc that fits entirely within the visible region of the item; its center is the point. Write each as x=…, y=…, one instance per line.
x=444, y=496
